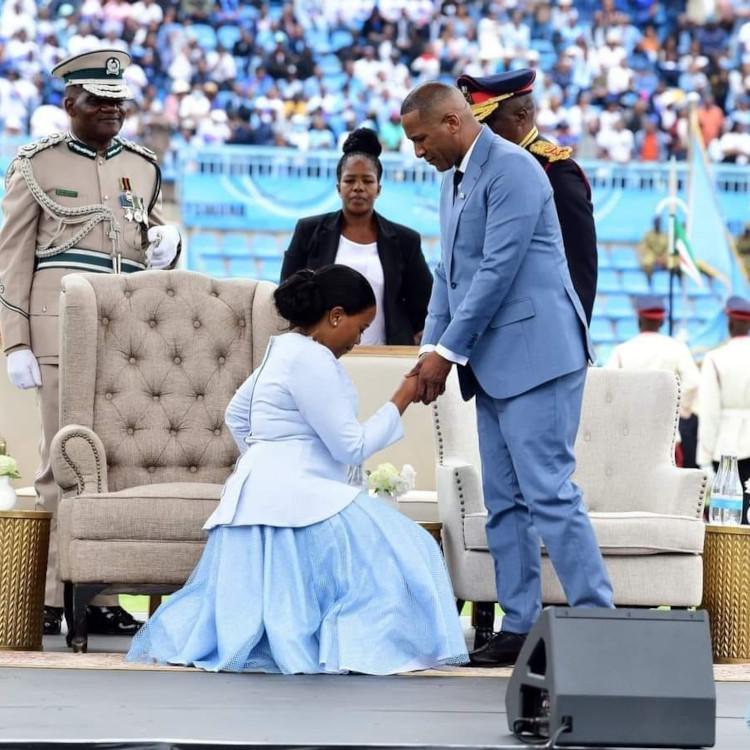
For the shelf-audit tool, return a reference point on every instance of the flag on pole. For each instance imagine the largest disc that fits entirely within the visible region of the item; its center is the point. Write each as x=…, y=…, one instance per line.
x=687, y=260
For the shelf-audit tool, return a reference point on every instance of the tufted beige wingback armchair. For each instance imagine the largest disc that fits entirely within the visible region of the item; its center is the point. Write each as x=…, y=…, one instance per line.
x=646, y=513
x=148, y=364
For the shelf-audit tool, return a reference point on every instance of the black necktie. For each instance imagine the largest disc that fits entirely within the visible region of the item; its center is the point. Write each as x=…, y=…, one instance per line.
x=457, y=177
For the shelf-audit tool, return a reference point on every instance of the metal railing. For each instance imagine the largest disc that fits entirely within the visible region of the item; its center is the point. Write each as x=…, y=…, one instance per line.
x=254, y=161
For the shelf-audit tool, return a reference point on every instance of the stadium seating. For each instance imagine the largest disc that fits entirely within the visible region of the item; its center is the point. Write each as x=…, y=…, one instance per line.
x=608, y=281
x=635, y=282
x=625, y=258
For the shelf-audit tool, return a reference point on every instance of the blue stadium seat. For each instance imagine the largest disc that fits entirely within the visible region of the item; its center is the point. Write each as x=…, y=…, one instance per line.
x=635, y=282
x=266, y=247
x=203, y=242
x=341, y=38
x=227, y=35
x=600, y=306
x=213, y=265
x=271, y=270
x=542, y=46
x=608, y=281
x=237, y=244
x=334, y=81
x=660, y=283
x=627, y=328
x=601, y=331
x=243, y=268
x=317, y=39
x=605, y=259
x=619, y=306
x=625, y=257
x=330, y=64
x=206, y=36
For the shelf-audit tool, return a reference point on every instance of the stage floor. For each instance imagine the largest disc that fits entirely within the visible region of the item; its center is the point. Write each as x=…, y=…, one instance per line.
x=144, y=707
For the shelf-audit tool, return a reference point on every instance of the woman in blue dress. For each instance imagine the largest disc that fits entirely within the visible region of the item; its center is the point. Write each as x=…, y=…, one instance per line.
x=303, y=571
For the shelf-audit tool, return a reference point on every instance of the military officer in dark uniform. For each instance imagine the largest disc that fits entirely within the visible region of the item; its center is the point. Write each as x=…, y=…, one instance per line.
x=504, y=103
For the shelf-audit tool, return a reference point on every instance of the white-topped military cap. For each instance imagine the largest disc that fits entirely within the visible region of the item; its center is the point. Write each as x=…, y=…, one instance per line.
x=99, y=73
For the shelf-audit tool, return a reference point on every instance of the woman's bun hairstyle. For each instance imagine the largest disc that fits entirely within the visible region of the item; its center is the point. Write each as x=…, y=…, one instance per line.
x=305, y=297
x=300, y=299
x=363, y=141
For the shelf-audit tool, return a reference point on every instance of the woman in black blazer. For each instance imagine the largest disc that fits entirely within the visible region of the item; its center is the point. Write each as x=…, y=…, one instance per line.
x=388, y=254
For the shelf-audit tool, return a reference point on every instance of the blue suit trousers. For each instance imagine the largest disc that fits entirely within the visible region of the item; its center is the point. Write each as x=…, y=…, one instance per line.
x=527, y=449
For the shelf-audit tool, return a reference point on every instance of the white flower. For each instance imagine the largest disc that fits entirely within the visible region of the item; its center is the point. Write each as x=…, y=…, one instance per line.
x=387, y=478
x=8, y=467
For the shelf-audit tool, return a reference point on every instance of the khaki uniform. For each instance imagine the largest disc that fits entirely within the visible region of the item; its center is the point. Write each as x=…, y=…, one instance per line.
x=654, y=351
x=654, y=251
x=97, y=209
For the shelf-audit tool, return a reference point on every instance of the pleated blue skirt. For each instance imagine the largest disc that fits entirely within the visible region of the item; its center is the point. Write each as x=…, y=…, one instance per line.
x=364, y=591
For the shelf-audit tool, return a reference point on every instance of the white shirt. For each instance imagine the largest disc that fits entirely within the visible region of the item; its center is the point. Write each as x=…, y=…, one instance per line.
x=365, y=259
x=458, y=359
x=655, y=351
x=724, y=425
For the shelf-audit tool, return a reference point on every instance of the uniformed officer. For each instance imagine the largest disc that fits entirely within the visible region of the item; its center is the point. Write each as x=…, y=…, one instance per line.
x=724, y=395
x=651, y=350
x=87, y=201
x=505, y=104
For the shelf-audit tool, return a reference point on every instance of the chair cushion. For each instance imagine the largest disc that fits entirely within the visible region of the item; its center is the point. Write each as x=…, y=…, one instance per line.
x=158, y=512
x=625, y=533
x=419, y=505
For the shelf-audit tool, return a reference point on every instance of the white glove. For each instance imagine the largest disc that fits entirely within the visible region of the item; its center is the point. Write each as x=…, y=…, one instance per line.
x=23, y=369
x=165, y=241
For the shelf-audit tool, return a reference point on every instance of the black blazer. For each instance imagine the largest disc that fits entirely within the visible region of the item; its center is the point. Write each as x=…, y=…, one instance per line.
x=576, y=213
x=407, y=279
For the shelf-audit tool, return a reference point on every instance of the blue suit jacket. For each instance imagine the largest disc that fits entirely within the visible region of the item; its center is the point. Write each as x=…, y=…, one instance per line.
x=502, y=295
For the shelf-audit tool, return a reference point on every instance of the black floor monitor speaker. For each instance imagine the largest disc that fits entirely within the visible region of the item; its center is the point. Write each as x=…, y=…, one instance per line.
x=616, y=678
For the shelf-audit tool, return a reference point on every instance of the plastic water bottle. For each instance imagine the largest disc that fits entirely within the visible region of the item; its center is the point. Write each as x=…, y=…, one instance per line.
x=715, y=507
x=726, y=504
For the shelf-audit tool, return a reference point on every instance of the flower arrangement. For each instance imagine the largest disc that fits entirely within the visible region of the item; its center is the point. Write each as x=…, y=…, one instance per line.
x=9, y=467
x=387, y=479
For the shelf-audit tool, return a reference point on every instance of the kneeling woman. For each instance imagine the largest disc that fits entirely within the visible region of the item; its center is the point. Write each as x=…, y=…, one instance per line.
x=303, y=571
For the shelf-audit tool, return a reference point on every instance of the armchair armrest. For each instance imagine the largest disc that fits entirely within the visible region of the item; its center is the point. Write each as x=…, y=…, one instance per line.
x=79, y=462
x=459, y=491
x=679, y=492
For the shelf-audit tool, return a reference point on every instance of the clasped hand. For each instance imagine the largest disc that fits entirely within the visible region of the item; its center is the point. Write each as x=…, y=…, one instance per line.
x=431, y=371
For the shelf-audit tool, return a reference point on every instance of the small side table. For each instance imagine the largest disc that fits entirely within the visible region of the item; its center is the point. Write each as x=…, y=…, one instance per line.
x=24, y=545
x=435, y=528
x=726, y=591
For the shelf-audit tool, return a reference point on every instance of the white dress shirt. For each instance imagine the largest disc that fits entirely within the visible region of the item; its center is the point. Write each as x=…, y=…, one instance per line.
x=295, y=422
x=458, y=359
x=365, y=259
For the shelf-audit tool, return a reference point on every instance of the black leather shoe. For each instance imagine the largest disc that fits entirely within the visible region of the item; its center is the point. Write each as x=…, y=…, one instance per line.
x=111, y=621
x=52, y=620
x=501, y=651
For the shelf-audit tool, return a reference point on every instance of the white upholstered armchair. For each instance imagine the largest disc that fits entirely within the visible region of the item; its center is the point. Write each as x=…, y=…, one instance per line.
x=647, y=514
x=148, y=364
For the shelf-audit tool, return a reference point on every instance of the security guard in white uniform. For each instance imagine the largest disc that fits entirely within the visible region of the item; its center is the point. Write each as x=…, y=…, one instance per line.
x=651, y=350
x=724, y=395
x=85, y=200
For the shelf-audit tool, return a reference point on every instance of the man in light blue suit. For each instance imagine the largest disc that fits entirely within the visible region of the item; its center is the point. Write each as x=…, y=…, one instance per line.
x=504, y=310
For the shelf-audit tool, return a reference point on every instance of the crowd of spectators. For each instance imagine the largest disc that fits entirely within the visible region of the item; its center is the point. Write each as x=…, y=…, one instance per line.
x=613, y=76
